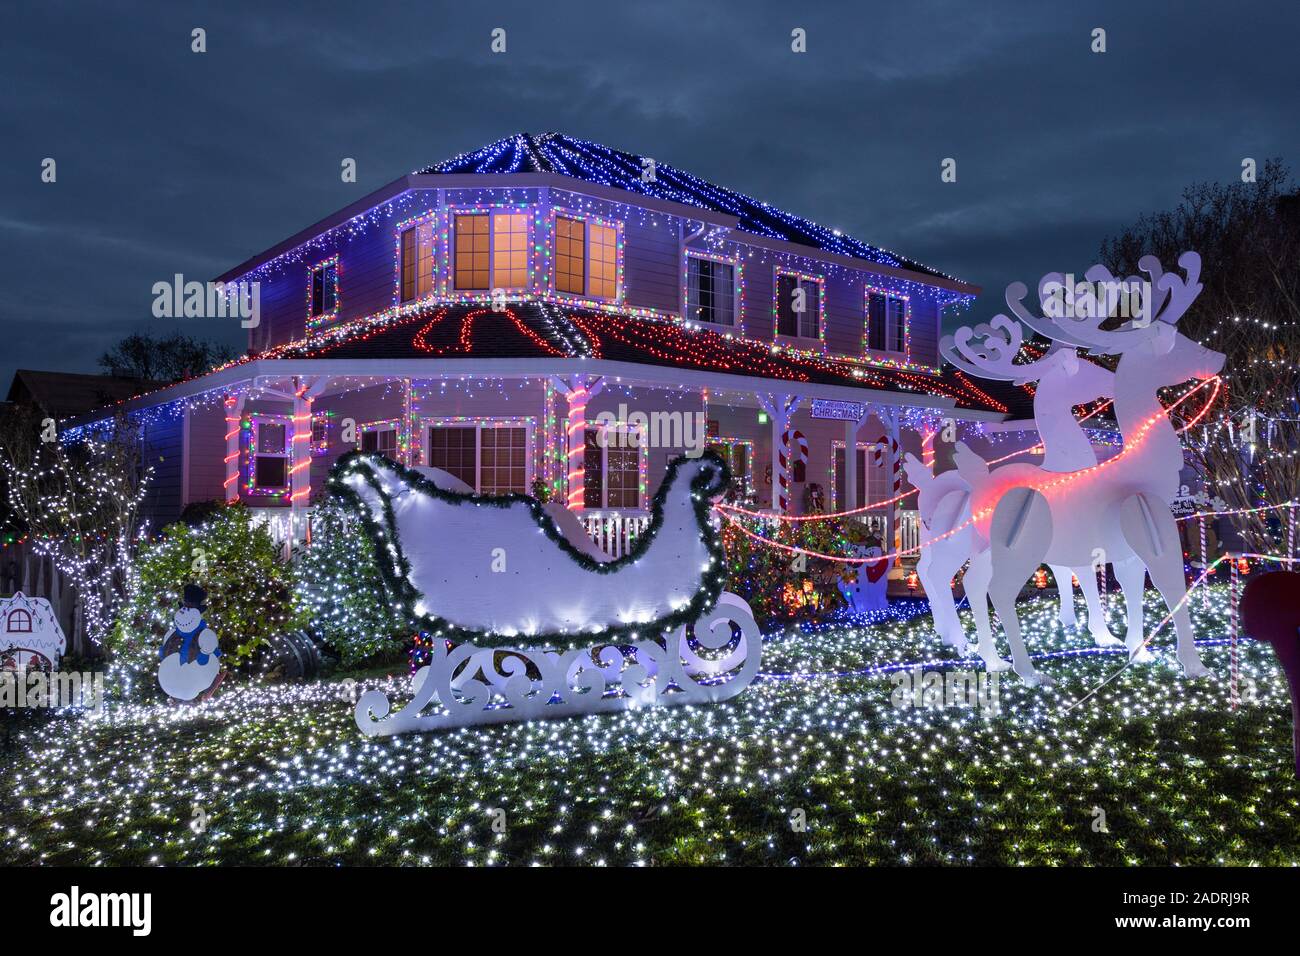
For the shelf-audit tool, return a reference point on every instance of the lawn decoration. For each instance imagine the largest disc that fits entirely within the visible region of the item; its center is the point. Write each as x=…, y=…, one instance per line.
x=1024, y=515
x=1063, y=382
x=483, y=574
x=30, y=635
x=864, y=585
x=190, y=667
x=1270, y=611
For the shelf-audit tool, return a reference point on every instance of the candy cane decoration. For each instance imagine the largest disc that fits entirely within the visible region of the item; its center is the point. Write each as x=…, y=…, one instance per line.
x=1290, y=538
x=788, y=437
x=1205, y=567
x=1234, y=578
x=897, y=462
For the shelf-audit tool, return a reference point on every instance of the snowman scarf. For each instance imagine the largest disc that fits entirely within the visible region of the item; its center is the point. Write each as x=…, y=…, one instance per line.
x=186, y=638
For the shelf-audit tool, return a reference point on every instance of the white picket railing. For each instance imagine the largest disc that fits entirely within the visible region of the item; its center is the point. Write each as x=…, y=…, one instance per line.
x=615, y=532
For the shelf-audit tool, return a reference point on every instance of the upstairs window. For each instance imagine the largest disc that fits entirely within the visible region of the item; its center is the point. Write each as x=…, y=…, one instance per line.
x=710, y=291
x=570, y=255
x=604, y=261
x=417, y=261
x=473, y=250
x=324, y=290
x=798, y=306
x=886, y=322
x=491, y=250
x=509, y=250
x=586, y=257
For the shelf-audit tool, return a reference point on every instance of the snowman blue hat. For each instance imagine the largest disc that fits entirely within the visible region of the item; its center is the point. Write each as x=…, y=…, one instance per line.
x=195, y=597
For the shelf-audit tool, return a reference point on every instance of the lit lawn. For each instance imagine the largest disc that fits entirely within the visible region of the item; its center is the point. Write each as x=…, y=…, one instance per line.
x=284, y=777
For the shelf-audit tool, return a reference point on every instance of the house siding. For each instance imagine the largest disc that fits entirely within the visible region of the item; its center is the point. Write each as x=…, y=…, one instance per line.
x=652, y=269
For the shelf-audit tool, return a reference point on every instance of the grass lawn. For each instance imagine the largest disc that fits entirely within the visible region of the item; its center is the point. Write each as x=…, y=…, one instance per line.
x=279, y=774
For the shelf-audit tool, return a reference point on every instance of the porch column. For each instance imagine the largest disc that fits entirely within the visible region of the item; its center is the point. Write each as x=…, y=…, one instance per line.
x=305, y=391
x=578, y=390
x=234, y=419
x=893, y=461
x=780, y=408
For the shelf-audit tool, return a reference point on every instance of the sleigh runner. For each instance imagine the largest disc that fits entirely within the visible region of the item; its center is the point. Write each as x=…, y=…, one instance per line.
x=507, y=599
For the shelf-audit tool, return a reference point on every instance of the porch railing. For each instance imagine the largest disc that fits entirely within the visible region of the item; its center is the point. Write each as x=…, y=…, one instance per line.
x=615, y=532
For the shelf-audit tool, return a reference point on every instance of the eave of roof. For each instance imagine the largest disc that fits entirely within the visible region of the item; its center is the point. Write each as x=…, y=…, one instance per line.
x=539, y=339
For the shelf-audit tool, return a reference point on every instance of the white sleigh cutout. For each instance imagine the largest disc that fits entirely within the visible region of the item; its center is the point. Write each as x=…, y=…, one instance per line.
x=498, y=579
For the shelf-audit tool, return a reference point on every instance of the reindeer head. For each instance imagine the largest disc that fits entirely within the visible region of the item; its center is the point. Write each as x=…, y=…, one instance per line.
x=1150, y=342
x=989, y=351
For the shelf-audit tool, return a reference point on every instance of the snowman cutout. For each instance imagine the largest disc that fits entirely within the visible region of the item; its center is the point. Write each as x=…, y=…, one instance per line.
x=867, y=589
x=190, y=667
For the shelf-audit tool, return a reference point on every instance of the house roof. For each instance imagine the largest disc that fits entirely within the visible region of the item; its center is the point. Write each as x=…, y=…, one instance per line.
x=541, y=330
x=605, y=166
x=63, y=394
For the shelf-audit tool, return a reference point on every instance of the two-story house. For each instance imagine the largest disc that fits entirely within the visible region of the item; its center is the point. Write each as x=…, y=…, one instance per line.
x=505, y=315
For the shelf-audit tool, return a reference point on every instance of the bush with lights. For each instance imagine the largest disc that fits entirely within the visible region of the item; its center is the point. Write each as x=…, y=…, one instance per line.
x=235, y=561
x=337, y=591
x=780, y=586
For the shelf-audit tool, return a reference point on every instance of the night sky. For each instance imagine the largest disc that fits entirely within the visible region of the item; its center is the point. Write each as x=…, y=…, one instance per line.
x=171, y=161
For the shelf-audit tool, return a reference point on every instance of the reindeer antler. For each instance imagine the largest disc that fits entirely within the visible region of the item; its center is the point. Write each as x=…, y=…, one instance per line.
x=1169, y=298
x=992, y=354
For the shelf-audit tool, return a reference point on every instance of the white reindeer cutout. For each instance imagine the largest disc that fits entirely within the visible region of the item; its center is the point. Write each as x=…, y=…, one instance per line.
x=1025, y=515
x=1063, y=382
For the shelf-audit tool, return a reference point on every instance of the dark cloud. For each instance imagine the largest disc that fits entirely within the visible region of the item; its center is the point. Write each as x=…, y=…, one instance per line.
x=174, y=162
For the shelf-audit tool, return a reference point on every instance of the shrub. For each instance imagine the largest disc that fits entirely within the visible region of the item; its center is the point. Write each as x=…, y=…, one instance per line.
x=237, y=563
x=338, y=593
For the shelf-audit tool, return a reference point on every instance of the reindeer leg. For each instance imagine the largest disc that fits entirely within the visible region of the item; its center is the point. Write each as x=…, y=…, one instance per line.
x=1097, y=627
x=1065, y=590
x=1152, y=533
x=977, y=592
x=1132, y=576
x=935, y=569
x=1019, y=537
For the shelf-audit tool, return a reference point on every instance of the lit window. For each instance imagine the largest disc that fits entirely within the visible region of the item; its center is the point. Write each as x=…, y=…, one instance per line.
x=509, y=250
x=604, y=261
x=473, y=253
x=491, y=458
x=324, y=288
x=417, y=261
x=570, y=255
x=612, y=469
x=710, y=291
x=798, y=306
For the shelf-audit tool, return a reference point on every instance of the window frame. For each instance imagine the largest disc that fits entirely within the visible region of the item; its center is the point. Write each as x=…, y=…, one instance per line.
x=383, y=427
x=737, y=289
x=889, y=296
x=255, y=422
x=643, y=461
x=800, y=277
x=480, y=425
x=491, y=212
x=418, y=225
x=587, y=220
x=9, y=619
x=317, y=319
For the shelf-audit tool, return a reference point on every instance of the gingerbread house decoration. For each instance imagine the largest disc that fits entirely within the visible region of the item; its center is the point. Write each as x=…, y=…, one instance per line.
x=30, y=635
